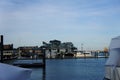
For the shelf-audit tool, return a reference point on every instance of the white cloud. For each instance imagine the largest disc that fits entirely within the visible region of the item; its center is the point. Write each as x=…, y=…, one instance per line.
x=50, y=20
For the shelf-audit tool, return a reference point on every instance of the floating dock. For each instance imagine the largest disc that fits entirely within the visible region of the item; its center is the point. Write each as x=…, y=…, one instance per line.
x=28, y=63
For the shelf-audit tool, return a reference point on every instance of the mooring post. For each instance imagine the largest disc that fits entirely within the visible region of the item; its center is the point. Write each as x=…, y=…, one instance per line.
x=1, y=47
x=44, y=62
x=44, y=59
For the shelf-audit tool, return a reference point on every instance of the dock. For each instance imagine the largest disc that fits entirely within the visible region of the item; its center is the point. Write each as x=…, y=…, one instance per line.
x=28, y=63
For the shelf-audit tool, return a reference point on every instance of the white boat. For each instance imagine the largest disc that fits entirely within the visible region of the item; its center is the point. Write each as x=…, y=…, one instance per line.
x=9, y=72
x=79, y=54
x=112, y=66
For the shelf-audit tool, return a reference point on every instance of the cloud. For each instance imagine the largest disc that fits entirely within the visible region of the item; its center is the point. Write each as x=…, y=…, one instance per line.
x=53, y=17
x=52, y=14
x=63, y=19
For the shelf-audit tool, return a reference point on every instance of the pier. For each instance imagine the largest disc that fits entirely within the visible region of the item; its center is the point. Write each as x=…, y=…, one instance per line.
x=32, y=64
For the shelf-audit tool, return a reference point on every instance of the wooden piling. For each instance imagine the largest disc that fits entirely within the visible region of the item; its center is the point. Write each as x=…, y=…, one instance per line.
x=44, y=62
x=1, y=47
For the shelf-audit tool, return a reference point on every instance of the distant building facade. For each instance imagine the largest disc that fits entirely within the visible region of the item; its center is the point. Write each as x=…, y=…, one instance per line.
x=56, y=48
x=8, y=51
x=29, y=51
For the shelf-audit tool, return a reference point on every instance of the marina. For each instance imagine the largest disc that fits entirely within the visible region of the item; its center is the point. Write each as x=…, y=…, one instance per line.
x=66, y=66
x=59, y=40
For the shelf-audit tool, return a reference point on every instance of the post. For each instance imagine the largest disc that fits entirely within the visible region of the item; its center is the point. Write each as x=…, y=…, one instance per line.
x=1, y=47
x=44, y=59
x=44, y=62
x=96, y=54
x=83, y=50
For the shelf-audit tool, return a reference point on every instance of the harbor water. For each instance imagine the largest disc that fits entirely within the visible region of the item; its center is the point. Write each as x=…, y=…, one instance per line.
x=71, y=69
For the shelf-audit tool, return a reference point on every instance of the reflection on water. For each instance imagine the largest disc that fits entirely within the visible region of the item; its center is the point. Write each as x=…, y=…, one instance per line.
x=38, y=74
x=44, y=74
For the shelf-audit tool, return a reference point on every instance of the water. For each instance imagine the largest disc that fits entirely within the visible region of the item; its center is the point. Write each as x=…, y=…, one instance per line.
x=71, y=69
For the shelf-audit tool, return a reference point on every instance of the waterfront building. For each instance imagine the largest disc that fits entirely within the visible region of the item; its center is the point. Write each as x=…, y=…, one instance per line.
x=29, y=51
x=8, y=51
x=55, y=49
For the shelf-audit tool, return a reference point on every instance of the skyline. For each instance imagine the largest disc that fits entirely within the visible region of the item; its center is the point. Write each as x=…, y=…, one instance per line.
x=29, y=22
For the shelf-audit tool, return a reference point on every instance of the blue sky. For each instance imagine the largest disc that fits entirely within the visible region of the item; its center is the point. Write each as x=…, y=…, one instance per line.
x=29, y=22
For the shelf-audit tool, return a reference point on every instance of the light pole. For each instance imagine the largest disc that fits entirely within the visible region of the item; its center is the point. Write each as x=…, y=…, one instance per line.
x=82, y=47
x=82, y=50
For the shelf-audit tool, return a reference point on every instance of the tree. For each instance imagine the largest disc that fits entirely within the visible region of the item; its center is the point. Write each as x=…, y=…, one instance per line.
x=105, y=50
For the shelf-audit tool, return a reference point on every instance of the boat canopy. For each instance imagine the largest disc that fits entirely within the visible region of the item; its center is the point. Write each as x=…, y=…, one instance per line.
x=114, y=50
x=112, y=66
x=9, y=72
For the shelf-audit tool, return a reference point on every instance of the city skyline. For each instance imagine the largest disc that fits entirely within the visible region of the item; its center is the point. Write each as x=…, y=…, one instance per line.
x=89, y=22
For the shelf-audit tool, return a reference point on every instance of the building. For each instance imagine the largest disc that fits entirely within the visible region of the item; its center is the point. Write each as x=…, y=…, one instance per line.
x=29, y=51
x=56, y=48
x=8, y=51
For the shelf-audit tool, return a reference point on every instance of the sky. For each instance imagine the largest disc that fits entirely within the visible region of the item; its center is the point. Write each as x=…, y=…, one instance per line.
x=89, y=22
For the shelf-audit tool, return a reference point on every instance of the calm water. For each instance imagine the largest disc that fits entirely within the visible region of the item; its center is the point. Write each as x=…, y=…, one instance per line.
x=71, y=69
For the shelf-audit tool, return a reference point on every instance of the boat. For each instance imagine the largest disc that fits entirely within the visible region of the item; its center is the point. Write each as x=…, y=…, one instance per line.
x=112, y=66
x=81, y=54
x=9, y=72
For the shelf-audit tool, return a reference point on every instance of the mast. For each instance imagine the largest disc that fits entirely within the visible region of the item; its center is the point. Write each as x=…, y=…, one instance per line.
x=82, y=47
